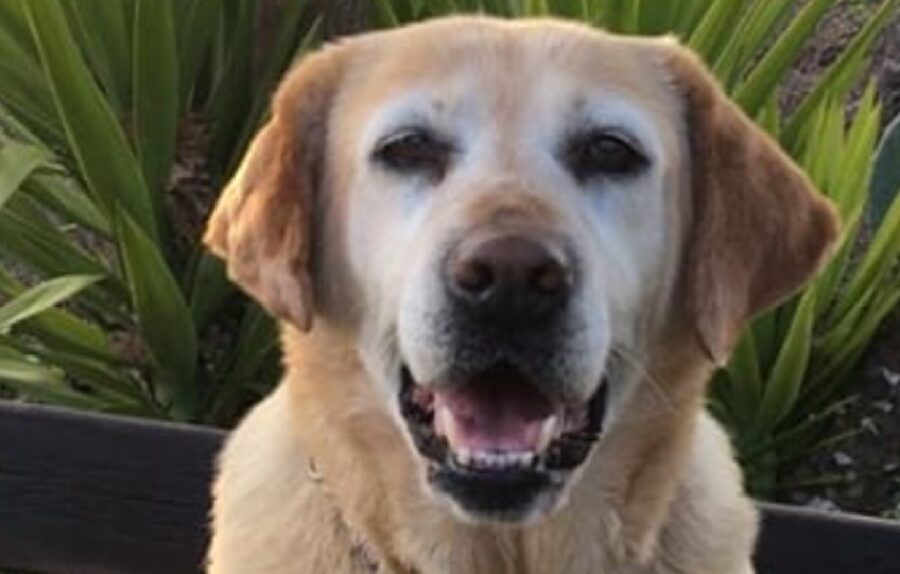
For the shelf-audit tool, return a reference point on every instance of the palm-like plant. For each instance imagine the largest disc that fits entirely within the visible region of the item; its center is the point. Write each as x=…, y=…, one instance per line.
x=93, y=94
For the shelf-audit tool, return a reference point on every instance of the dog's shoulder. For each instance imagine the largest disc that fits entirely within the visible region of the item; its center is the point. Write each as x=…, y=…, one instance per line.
x=712, y=524
x=268, y=507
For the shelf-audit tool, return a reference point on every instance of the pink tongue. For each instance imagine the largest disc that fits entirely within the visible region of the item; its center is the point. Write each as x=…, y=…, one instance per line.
x=492, y=417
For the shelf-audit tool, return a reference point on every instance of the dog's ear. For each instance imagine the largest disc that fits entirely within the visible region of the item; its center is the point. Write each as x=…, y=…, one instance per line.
x=759, y=228
x=261, y=225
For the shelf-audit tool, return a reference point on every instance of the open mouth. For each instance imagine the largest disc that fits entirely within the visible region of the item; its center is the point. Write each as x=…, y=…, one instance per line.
x=498, y=425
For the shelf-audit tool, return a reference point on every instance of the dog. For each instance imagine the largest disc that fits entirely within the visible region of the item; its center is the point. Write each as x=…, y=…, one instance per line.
x=506, y=257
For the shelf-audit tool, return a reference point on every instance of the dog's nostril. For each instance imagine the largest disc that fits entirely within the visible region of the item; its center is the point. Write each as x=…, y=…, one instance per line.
x=551, y=278
x=510, y=273
x=474, y=277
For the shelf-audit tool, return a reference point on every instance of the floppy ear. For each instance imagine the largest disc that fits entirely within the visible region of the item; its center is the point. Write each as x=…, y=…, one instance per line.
x=261, y=225
x=759, y=227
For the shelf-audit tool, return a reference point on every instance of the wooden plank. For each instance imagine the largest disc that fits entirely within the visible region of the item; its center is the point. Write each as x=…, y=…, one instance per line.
x=796, y=540
x=85, y=494
x=89, y=494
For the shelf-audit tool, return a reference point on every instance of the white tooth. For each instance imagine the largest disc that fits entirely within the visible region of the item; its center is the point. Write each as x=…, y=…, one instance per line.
x=548, y=432
x=523, y=459
x=499, y=460
x=463, y=457
x=440, y=420
x=445, y=424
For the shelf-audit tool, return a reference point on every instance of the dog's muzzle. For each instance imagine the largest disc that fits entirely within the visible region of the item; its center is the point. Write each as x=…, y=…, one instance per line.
x=497, y=429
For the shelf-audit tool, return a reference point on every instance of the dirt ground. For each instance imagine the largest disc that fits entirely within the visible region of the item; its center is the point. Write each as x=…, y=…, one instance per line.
x=860, y=473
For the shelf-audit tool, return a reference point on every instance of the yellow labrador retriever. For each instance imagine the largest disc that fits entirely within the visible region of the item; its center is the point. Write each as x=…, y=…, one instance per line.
x=506, y=257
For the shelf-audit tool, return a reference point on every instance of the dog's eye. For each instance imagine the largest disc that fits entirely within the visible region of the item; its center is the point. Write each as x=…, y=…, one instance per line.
x=415, y=151
x=599, y=153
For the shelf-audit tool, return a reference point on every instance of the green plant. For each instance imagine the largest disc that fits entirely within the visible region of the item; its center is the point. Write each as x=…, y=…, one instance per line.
x=786, y=376
x=789, y=372
x=885, y=174
x=112, y=298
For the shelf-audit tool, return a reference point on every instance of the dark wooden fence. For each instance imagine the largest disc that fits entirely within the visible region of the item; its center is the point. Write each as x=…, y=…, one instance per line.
x=89, y=494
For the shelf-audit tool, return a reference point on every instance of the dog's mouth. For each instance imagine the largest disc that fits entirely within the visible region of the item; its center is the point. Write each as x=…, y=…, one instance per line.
x=494, y=441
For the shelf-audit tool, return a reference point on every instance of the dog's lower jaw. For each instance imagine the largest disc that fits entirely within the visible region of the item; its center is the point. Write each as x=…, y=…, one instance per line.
x=520, y=497
x=515, y=473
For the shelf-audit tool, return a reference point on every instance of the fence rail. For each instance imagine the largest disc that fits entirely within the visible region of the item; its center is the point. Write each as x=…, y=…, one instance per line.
x=89, y=494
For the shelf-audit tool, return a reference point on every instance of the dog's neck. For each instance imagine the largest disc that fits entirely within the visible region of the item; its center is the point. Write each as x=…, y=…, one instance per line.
x=369, y=471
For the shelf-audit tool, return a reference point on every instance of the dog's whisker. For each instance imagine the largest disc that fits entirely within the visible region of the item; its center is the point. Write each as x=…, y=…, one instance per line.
x=633, y=362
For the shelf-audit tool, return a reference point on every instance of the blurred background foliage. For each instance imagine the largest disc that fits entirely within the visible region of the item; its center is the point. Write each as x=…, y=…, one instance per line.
x=120, y=119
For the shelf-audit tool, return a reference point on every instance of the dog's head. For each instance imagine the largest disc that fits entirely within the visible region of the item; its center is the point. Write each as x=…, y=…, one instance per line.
x=506, y=217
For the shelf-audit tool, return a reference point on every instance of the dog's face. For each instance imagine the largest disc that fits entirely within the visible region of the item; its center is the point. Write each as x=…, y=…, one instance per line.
x=507, y=217
x=512, y=225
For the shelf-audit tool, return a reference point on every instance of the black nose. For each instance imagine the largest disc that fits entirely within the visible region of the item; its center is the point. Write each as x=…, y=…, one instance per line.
x=510, y=276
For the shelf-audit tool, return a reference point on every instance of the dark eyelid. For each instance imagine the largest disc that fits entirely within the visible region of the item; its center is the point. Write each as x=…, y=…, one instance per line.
x=415, y=150
x=403, y=131
x=613, y=131
x=399, y=133
x=579, y=154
